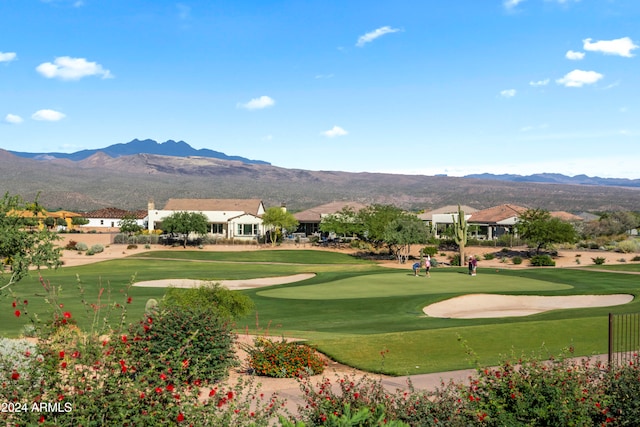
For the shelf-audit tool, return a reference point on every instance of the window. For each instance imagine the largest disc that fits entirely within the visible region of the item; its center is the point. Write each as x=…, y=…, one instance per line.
x=217, y=229
x=102, y=222
x=247, y=230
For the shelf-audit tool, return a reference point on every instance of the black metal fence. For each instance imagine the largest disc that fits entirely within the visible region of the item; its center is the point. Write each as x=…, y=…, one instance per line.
x=624, y=337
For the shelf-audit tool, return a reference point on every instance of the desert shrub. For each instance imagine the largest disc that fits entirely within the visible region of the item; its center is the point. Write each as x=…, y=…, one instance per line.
x=133, y=246
x=542, y=261
x=434, y=262
x=194, y=344
x=142, y=239
x=120, y=239
x=147, y=246
x=598, y=260
x=489, y=256
x=505, y=250
x=71, y=245
x=455, y=260
x=154, y=239
x=537, y=393
x=636, y=258
x=283, y=359
x=97, y=248
x=210, y=297
x=80, y=246
x=132, y=240
x=516, y=260
x=628, y=246
x=622, y=392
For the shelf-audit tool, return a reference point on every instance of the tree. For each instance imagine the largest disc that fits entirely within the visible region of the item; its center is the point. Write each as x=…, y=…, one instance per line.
x=343, y=223
x=404, y=231
x=540, y=228
x=185, y=223
x=460, y=230
x=21, y=244
x=279, y=220
x=374, y=220
x=129, y=225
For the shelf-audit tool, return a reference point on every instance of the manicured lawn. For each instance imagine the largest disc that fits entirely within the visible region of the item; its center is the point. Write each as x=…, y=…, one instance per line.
x=353, y=310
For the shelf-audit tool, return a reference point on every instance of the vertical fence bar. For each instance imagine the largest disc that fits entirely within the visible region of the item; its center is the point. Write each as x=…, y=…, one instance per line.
x=611, y=331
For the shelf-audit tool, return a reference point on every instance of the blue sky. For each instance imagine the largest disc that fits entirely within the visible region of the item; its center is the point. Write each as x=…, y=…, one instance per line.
x=404, y=86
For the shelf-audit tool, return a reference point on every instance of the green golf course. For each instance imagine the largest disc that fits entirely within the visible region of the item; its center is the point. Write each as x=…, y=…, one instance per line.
x=353, y=310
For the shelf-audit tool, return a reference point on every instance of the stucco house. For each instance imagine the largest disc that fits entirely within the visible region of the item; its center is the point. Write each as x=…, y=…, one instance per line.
x=439, y=219
x=493, y=222
x=108, y=219
x=228, y=218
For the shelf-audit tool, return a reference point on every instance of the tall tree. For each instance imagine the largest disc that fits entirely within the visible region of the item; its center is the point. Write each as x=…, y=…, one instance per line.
x=375, y=219
x=404, y=231
x=185, y=223
x=541, y=229
x=21, y=244
x=279, y=220
x=344, y=222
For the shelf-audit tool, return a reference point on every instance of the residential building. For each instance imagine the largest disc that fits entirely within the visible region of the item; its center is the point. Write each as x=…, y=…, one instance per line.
x=310, y=219
x=228, y=218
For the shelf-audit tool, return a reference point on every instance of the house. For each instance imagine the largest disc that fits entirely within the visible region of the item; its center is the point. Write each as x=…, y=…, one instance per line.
x=496, y=221
x=108, y=219
x=311, y=218
x=228, y=218
x=439, y=219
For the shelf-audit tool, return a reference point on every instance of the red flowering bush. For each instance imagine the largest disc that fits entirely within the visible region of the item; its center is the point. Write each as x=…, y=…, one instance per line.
x=283, y=359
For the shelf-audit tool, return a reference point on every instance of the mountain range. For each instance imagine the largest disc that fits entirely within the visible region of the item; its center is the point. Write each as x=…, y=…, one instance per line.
x=127, y=176
x=136, y=146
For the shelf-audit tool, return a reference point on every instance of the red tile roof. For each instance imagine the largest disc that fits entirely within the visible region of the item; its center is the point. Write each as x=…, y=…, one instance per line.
x=496, y=214
x=315, y=214
x=243, y=205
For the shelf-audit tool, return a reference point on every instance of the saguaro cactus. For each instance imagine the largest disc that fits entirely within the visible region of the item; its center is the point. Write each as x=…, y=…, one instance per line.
x=460, y=229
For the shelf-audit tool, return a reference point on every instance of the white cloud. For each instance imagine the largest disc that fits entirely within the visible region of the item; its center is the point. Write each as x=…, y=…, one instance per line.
x=539, y=83
x=258, y=103
x=508, y=93
x=48, y=115
x=13, y=119
x=574, y=56
x=511, y=4
x=7, y=56
x=335, y=131
x=371, y=36
x=67, y=68
x=579, y=78
x=622, y=46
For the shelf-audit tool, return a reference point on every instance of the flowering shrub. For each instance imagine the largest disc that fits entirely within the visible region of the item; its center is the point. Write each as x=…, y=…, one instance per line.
x=194, y=344
x=105, y=376
x=283, y=359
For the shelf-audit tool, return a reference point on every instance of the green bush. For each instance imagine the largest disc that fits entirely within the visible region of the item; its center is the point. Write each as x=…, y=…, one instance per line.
x=516, y=260
x=97, y=248
x=210, y=297
x=598, y=260
x=489, y=256
x=429, y=250
x=455, y=260
x=542, y=261
x=636, y=258
x=80, y=246
x=120, y=239
x=132, y=246
x=283, y=359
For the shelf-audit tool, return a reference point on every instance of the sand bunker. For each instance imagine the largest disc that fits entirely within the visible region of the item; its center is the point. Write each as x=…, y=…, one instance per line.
x=475, y=306
x=229, y=284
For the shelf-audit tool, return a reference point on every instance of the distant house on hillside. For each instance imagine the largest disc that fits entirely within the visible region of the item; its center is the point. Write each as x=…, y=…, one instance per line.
x=108, y=219
x=496, y=221
x=228, y=218
x=439, y=219
x=566, y=216
x=311, y=218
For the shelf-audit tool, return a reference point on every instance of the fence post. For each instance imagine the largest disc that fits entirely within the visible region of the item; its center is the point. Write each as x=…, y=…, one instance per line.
x=610, y=340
